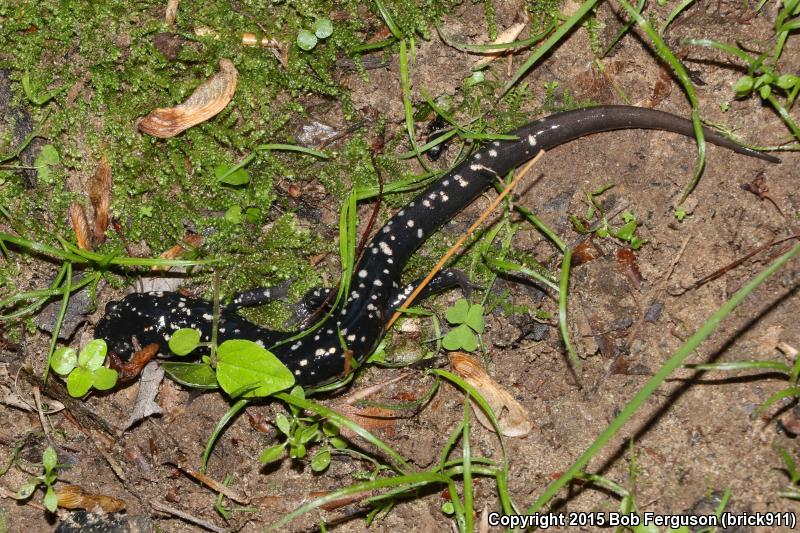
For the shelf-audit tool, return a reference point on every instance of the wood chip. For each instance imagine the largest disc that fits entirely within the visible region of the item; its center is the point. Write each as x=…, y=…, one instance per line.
x=508, y=36
x=206, y=101
x=512, y=418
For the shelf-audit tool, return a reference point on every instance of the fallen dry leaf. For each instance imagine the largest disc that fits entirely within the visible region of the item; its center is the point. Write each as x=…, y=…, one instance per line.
x=207, y=100
x=77, y=217
x=74, y=497
x=508, y=36
x=100, y=195
x=146, y=405
x=512, y=418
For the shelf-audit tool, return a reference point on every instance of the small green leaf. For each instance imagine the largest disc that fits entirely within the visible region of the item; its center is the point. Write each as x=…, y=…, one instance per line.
x=196, y=375
x=104, y=378
x=27, y=489
x=297, y=451
x=184, y=341
x=306, y=40
x=469, y=341
x=458, y=313
x=252, y=215
x=447, y=508
x=64, y=360
x=241, y=363
x=743, y=86
x=49, y=459
x=283, y=424
x=234, y=214
x=786, y=81
x=48, y=157
x=680, y=214
x=93, y=354
x=307, y=434
x=323, y=28
x=338, y=443
x=272, y=454
x=321, y=460
x=50, y=500
x=474, y=318
x=765, y=91
x=79, y=382
x=477, y=77
x=329, y=429
x=227, y=174
x=626, y=232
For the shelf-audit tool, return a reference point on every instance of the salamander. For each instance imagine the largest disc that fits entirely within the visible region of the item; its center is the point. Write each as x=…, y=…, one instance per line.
x=375, y=289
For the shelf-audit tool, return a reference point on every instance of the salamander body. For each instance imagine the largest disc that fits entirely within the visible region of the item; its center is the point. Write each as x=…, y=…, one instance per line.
x=375, y=287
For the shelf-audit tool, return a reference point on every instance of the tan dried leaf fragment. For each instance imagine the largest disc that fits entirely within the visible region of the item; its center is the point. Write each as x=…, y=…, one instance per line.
x=512, y=418
x=75, y=497
x=80, y=225
x=100, y=195
x=206, y=101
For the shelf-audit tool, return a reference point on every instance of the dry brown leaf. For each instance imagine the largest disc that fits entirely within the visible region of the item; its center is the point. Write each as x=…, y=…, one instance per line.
x=508, y=36
x=512, y=418
x=100, y=195
x=207, y=100
x=77, y=217
x=191, y=240
x=74, y=497
x=371, y=418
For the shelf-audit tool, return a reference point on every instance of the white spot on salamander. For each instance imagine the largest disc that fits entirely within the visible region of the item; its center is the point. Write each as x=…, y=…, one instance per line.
x=385, y=248
x=531, y=140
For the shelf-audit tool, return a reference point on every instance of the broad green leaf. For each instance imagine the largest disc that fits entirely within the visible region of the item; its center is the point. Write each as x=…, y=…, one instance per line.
x=242, y=363
x=79, y=382
x=272, y=454
x=50, y=500
x=458, y=313
x=64, y=360
x=474, y=318
x=626, y=232
x=744, y=85
x=104, y=378
x=93, y=354
x=27, y=489
x=227, y=174
x=338, y=443
x=306, y=40
x=308, y=433
x=321, y=460
x=48, y=157
x=196, y=375
x=49, y=458
x=234, y=214
x=323, y=28
x=283, y=424
x=184, y=341
x=297, y=452
x=469, y=341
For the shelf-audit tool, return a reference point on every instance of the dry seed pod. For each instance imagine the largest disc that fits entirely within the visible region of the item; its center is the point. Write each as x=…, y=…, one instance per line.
x=207, y=100
x=100, y=196
x=512, y=418
x=80, y=226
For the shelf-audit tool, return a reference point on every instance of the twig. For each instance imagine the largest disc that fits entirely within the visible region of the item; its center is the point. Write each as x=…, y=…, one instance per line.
x=37, y=398
x=158, y=506
x=457, y=246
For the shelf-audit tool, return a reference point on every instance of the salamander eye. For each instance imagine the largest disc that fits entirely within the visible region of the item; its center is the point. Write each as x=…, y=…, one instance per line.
x=111, y=307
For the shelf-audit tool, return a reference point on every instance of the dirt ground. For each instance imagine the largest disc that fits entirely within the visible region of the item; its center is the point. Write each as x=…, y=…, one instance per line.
x=699, y=434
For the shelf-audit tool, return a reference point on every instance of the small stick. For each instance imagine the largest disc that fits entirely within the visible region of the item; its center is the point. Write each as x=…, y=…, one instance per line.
x=37, y=398
x=158, y=506
x=457, y=246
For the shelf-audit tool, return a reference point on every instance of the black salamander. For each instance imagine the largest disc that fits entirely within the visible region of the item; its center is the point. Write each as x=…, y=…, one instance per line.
x=375, y=288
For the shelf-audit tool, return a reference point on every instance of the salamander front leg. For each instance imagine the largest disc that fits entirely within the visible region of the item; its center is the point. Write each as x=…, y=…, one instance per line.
x=449, y=278
x=311, y=303
x=260, y=296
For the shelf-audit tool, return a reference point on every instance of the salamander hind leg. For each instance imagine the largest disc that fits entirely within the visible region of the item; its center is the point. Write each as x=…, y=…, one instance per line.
x=449, y=278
